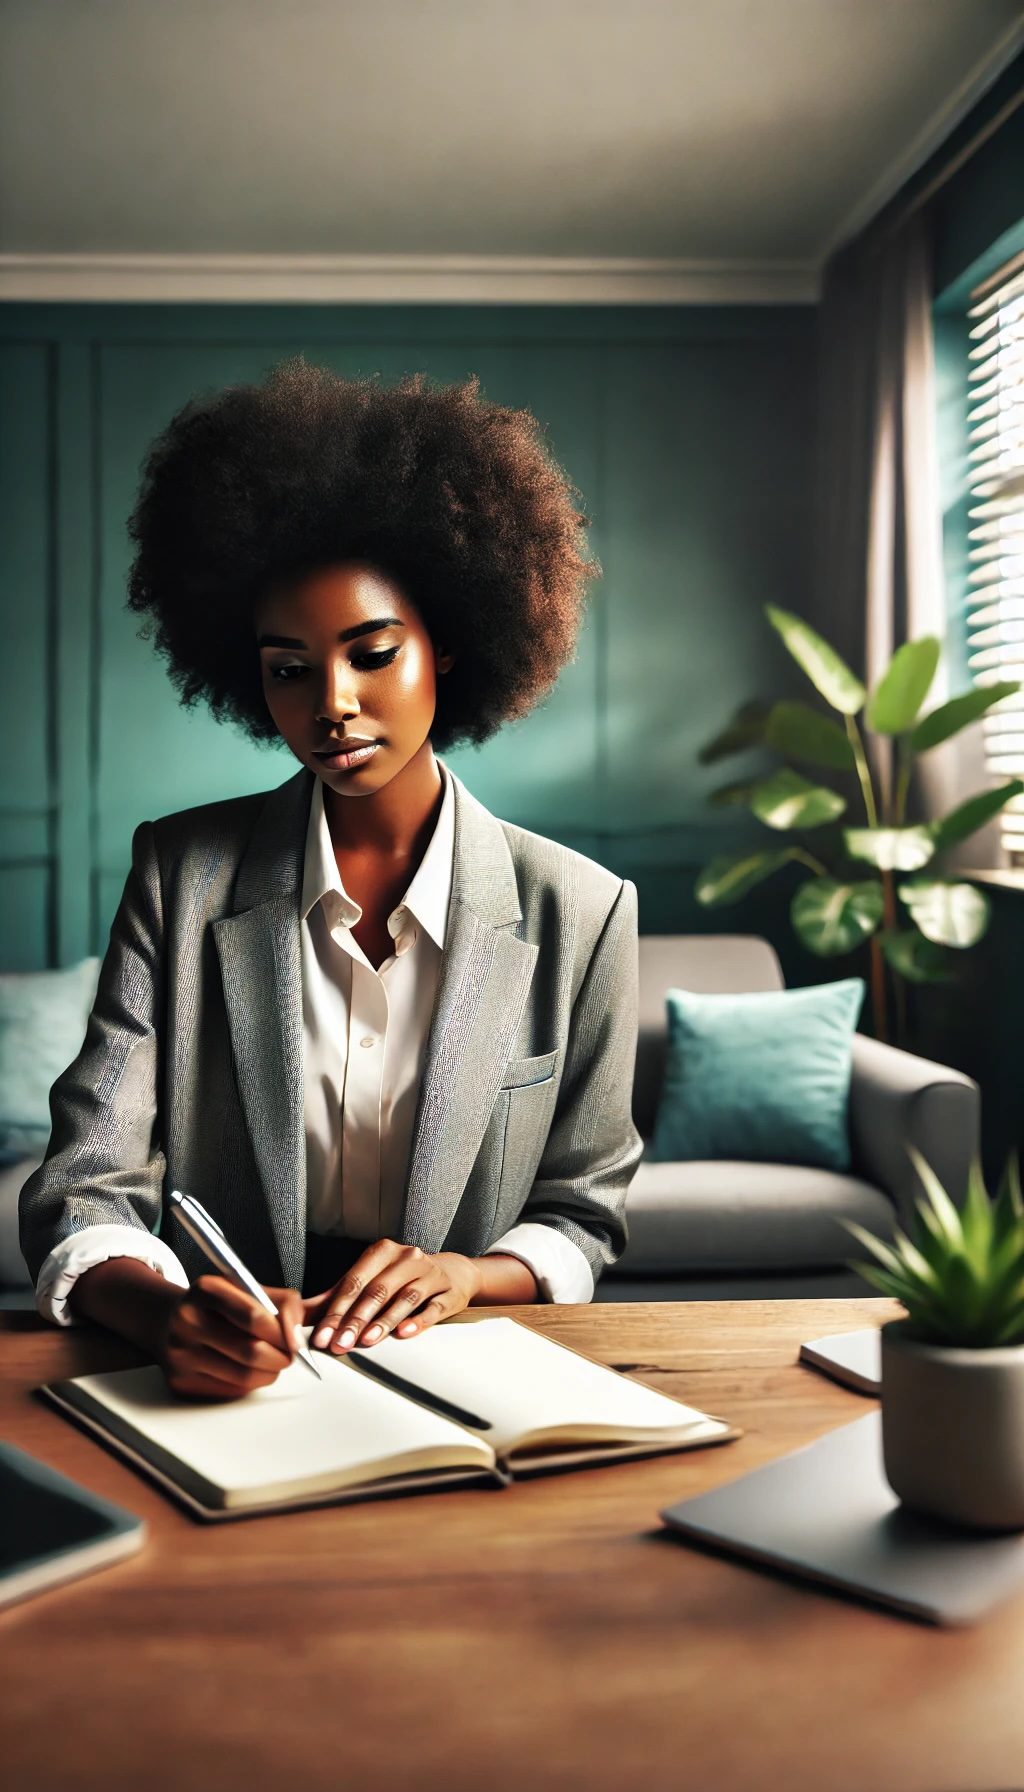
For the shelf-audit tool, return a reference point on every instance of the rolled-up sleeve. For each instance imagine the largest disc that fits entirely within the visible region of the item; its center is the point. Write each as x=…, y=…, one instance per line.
x=562, y=1271
x=96, y=1244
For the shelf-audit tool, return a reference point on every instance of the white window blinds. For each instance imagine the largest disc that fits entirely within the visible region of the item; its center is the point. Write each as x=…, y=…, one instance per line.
x=996, y=531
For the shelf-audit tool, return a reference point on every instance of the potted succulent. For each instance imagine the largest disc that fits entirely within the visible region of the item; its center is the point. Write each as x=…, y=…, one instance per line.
x=952, y=1393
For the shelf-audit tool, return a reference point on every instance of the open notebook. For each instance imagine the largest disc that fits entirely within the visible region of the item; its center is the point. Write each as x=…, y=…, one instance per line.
x=527, y=1406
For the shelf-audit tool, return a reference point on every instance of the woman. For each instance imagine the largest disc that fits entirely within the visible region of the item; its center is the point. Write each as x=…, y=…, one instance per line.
x=386, y=1039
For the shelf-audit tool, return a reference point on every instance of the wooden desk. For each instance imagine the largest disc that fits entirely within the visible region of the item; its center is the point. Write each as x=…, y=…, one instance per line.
x=543, y=1637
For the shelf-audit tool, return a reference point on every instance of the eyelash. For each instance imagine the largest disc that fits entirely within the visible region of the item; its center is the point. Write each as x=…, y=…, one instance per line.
x=370, y=660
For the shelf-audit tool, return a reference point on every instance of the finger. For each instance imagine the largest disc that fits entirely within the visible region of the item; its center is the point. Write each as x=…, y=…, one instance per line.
x=186, y=1363
x=437, y=1308
x=244, y=1312
x=365, y=1323
x=370, y=1282
x=406, y=1301
x=240, y=1308
x=203, y=1387
x=207, y=1387
x=200, y=1328
x=348, y=1324
x=291, y=1314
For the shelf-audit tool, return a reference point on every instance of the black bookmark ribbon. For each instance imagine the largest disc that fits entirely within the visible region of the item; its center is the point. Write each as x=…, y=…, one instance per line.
x=423, y=1396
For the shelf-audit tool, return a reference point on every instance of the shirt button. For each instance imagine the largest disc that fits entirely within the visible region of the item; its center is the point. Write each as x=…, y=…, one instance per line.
x=369, y=1040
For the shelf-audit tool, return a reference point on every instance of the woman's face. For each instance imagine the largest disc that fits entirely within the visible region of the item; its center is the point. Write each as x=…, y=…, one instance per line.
x=346, y=657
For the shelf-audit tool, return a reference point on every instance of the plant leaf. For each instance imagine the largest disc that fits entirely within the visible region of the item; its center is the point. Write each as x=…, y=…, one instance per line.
x=891, y=849
x=971, y=815
x=944, y=1209
x=961, y=1275
x=976, y=1219
x=729, y=877
x=915, y=958
x=830, y=917
x=948, y=914
x=916, y=1265
x=880, y=1279
x=930, y=1238
x=745, y=730
x=786, y=800
x=830, y=676
x=1012, y=1330
x=1006, y=1222
x=961, y=1288
x=1009, y=1185
x=894, y=703
x=801, y=732
x=1004, y=1289
x=735, y=795
x=877, y=1246
x=950, y=717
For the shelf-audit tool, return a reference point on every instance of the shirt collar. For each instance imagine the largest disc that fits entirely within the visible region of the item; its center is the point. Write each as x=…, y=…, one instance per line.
x=429, y=893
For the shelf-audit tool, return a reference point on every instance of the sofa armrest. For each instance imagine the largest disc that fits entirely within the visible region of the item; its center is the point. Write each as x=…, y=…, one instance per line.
x=14, y=1271
x=898, y=1100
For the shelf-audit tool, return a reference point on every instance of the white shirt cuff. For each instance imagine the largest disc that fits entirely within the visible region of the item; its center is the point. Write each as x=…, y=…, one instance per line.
x=562, y=1271
x=94, y=1244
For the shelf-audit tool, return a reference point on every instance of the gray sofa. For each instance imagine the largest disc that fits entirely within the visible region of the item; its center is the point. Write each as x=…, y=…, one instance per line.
x=724, y=1231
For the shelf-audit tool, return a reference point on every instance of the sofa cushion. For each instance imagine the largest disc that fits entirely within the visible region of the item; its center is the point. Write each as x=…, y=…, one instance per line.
x=716, y=963
x=746, y=1216
x=43, y=1018
x=763, y=1076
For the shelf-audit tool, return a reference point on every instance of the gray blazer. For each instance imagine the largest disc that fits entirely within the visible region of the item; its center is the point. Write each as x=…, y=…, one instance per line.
x=190, y=1074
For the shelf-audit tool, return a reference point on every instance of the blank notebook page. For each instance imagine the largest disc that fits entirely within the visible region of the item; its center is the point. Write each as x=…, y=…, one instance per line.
x=295, y=1429
x=523, y=1382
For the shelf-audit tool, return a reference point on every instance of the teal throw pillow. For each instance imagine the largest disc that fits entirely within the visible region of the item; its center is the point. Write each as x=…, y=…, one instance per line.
x=762, y=1077
x=43, y=1017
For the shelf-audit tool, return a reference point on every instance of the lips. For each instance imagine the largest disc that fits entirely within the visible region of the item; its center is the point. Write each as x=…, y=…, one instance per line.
x=339, y=760
x=351, y=745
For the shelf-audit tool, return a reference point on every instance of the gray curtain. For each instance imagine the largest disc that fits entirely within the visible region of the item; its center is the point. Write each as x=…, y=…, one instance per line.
x=879, y=547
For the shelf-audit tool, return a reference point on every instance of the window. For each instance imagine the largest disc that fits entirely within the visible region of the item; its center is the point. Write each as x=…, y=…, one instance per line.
x=996, y=530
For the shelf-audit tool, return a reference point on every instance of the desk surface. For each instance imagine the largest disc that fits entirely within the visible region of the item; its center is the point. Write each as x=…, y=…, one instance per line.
x=545, y=1637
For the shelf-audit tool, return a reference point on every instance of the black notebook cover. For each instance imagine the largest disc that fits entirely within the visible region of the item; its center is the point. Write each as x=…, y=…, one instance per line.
x=826, y=1513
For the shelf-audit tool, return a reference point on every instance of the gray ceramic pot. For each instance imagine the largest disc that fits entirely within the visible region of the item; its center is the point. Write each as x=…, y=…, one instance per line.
x=953, y=1429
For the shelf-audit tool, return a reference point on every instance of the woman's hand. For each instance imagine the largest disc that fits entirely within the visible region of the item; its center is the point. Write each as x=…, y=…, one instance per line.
x=216, y=1343
x=391, y=1287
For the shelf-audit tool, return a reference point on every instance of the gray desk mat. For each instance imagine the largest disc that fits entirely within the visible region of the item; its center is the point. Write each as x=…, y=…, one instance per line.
x=826, y=1513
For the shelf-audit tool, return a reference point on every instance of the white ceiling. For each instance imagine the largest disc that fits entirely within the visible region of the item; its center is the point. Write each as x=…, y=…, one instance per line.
x=756, y=132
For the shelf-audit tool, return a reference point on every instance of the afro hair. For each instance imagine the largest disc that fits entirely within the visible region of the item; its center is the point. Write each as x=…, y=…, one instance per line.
x=454, y=498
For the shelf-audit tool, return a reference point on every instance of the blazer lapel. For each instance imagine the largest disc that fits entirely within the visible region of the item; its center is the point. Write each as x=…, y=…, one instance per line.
x=261, y=971
x=486, y=973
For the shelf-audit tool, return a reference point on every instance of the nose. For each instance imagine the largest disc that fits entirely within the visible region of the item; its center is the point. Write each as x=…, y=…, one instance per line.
x=337, y=692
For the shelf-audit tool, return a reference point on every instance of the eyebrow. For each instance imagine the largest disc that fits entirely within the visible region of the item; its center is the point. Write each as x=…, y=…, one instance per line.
x=347, y=634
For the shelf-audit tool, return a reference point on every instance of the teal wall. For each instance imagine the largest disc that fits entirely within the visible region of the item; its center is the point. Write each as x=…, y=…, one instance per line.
x=687, y=430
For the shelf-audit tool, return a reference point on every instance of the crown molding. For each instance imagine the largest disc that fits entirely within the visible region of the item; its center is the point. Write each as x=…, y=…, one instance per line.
x=403, y=279
x=941, y=124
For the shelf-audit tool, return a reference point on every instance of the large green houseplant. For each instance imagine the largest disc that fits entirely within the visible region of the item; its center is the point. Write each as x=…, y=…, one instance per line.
x=875, y=884
x=953, y=1370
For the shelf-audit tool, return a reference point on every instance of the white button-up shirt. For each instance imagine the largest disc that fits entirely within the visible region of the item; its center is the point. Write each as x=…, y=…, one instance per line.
x=364, y=1048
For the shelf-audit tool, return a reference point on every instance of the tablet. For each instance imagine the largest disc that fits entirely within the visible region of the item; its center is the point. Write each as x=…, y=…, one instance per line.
x=53, y=1530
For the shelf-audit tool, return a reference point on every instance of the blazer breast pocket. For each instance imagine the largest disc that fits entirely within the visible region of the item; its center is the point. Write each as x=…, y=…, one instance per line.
x=519, y=1073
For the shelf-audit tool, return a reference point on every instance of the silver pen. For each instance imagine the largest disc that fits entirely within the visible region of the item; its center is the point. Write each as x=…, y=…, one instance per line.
x=212, y=1239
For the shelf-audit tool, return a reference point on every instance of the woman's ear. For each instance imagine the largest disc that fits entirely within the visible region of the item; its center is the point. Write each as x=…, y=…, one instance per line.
x=443, y=661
